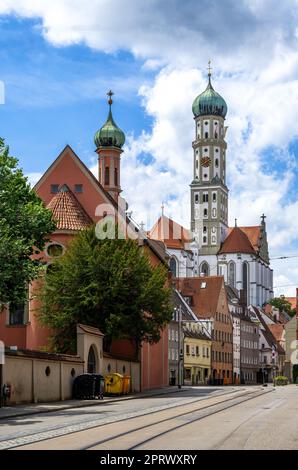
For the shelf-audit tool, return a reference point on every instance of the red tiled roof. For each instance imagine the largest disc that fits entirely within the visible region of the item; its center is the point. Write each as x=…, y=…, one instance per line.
x=292, y=301
x=170, y=232
x=68, y=212
x=237, y=242
x=204, y=293
x=277, y=331
x=253, y=233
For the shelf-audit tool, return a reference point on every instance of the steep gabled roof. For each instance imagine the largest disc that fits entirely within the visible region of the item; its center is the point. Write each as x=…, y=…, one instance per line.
x=68, y=212
x=204, y=293
x=277, y=331
x=268, y=335
x=253, y=233
x=68, y=151
x=170, y=232
x=237, y=242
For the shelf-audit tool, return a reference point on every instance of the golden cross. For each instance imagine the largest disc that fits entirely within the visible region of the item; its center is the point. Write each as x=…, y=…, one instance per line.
x=209, y=68
x=110, y=94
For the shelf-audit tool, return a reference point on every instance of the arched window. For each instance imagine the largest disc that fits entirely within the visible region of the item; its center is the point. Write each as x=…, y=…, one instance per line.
x=245, y=287
x=204, y=269
x=91, y=367
x=173, y=266
x=231, y=275
x=116, y=176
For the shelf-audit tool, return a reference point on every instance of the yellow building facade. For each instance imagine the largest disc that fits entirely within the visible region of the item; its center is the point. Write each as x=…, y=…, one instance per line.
x=197, y=354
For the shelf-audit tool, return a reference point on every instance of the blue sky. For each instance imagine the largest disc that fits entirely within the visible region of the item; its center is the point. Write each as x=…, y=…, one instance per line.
x=59, y=58
x=56, y=96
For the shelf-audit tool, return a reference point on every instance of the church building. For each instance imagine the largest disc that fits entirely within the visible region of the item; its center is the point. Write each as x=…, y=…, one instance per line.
x=211, y=247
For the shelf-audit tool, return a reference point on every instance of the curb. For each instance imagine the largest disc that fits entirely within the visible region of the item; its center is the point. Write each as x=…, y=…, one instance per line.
x=87, y=403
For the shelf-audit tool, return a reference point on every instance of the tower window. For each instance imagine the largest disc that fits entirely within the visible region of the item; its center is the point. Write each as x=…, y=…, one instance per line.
x=205, y=213
x=116, y=176
x=206, y=123
x=107, y=175
x=205, y=197
x=206, y=135
x=214, y=197
x=216, y=150
x=216, y=162
x=205, y=150
x=204, y=229
x=196, y=198
x=204, y=239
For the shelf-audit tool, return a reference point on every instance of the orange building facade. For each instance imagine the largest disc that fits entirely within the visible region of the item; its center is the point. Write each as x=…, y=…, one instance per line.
x=78, y=199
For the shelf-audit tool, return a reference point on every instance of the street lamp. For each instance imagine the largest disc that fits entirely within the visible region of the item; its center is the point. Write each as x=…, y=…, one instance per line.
x=180, y=349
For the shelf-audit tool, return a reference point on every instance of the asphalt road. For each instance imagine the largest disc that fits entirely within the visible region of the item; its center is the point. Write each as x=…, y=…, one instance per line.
x=200, y=418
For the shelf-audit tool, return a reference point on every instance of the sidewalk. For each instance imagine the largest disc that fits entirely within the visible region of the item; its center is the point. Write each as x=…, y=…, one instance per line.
x=35, y=408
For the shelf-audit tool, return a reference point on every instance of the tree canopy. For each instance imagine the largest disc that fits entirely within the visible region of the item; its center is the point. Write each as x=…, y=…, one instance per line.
x=108, y=284
x=283, y=305
x=24, y=224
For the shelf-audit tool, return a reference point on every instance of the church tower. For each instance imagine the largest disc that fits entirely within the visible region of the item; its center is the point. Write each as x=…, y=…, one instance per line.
x=209, y=193
x=109, y=140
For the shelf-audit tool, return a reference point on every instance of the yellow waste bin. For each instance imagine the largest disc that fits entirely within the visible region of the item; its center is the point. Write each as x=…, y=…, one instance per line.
x=113, y=384
x=126, y=384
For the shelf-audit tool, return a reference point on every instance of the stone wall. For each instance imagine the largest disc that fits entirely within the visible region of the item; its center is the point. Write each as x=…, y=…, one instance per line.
x=40, y=377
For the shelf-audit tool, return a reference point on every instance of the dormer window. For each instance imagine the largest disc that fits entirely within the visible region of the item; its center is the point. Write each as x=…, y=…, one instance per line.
x=78, y=188
x=54, y=188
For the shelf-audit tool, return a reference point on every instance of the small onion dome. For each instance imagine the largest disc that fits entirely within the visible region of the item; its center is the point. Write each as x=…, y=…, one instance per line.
x=209, y=102
x=109, y=135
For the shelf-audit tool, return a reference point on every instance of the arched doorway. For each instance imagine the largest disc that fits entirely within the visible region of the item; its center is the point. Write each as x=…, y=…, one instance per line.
x=91, y=367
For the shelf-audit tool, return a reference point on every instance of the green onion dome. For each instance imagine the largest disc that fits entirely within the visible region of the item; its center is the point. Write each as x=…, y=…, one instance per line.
x=109, y=135
x=209, y=103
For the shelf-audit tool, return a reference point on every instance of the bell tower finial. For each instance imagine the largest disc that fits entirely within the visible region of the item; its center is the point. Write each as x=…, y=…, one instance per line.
x=110, y=94
x=209, y=68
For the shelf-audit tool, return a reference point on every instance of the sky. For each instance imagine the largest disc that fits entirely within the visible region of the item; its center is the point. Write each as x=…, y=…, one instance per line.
x=60, y=57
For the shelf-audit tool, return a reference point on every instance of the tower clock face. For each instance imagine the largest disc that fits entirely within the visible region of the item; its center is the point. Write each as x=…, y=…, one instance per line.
x=205, y=161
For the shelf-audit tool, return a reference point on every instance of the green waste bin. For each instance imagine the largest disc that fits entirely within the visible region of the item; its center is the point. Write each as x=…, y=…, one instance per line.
x=114, y=384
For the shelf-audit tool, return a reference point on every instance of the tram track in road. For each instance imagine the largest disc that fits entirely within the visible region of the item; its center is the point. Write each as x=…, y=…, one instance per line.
x=72, y=436
x=47, y=433
x=130, y=440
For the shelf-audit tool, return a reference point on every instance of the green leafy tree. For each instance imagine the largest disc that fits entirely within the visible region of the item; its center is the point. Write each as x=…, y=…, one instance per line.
x=283, y=305
x=24, y=224
x=108, y=284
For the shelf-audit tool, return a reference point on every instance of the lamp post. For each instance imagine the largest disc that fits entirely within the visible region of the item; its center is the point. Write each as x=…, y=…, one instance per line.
x=2, y=360
x=180, y=349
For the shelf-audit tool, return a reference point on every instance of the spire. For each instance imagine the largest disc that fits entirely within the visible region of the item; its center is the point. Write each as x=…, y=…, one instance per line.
x=235, y=222
x=209, y=68
x=162, y=209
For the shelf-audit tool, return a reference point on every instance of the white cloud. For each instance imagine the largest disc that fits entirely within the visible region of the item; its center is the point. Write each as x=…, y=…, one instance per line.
x=254, y=43
x=33, y=178
x=254, y=187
